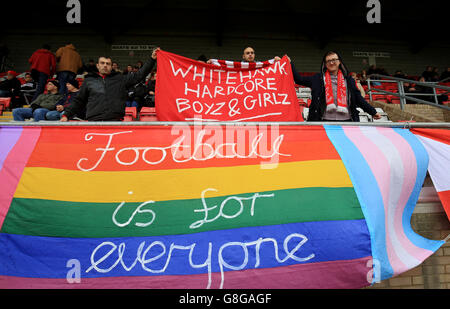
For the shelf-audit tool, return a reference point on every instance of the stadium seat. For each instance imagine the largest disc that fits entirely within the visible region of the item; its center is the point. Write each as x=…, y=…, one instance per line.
x=148, y=114
x=5, y=102
x=130, y=114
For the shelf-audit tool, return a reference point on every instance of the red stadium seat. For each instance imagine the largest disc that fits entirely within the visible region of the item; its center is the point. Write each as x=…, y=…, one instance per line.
x=148, y=114
x=5, y=102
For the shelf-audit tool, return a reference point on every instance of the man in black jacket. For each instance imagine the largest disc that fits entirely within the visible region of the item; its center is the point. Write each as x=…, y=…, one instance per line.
x=335, y=96
x=104, y=94
x=10, y=88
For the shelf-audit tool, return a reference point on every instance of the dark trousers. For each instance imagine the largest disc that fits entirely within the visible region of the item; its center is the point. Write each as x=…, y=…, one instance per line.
x=41, y=80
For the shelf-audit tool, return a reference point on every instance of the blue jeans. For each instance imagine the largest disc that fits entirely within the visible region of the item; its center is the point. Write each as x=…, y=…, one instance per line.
x=63, y=77
x=131, y=104
x=53, y=115
x=41, y=79
x=20, y=114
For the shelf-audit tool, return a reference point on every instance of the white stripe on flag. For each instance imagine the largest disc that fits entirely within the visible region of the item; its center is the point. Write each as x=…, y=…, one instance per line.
x=439, y=165
x=244, y=65
x=259, y=64
x=230, y=64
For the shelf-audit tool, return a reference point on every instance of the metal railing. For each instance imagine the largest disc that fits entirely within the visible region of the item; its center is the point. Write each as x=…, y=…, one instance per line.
x=436, y=125
x=402, y=95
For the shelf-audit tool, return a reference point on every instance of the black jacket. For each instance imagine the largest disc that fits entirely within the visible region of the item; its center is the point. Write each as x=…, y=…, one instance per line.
x=11, y=85
x=105, y=98
x=318, y=102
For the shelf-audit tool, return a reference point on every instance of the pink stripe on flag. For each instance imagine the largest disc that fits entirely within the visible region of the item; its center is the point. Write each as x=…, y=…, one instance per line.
x=409, y=179
x=13, y=167
x=380, y=168
x=343, y=274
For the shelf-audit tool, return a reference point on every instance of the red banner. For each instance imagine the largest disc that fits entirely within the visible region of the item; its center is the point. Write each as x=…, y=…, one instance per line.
x=189, y=90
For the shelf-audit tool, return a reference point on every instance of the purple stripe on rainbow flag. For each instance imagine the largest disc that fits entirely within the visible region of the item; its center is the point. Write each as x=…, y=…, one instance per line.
x=341, y=274
x=14, y=163
x=394, y=166
x=8, y=137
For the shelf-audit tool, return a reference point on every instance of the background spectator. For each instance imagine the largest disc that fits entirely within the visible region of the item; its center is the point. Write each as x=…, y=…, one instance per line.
x=43, y=66
x=445, y=74
x=428, y=73
x=115, y=67
x=358, y=84
x=72, y=86
x=27, y=90
x=41, y=106
x=69, y=62
x=10, y=88
x=91, y=67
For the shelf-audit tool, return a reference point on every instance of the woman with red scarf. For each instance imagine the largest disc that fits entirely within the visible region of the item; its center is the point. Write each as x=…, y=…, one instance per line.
x=334, y=93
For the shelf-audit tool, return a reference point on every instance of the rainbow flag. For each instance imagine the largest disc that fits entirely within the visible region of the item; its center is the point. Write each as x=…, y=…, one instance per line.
x=208, y=207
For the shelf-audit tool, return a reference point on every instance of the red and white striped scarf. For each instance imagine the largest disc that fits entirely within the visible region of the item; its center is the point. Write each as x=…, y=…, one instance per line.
x=242, y=64
x=341, y=91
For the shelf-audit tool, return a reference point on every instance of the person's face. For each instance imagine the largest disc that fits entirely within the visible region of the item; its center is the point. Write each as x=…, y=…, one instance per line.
x=115, y=66
x=28, y=78
x=70, y=87
x=249, y=54
x=129, y=68
x=9, y=76
x=332, y=63
x=51, y=87
x=104, y=66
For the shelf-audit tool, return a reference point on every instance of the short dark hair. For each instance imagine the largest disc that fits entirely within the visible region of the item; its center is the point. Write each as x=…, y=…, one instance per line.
x=107, y=57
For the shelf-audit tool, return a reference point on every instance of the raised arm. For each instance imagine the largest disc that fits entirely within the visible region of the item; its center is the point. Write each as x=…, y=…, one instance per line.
x=133, y=79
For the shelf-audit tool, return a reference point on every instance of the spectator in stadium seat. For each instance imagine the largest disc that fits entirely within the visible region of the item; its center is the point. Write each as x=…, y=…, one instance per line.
x=27, y=90
x=115, y=67
x=72, y=86
x=149, y=99
x=91, y=67
x=104, y=94
x=128, y=69
x=400, y=74
x=42, y=105
x=139, y=65
x=334, y=93
x=10, y=87
x=445, y=75
x=411, y=90
x=358, y=84
x=68, y=63
x=43, y=66
x=428, y=73
x=363, y=77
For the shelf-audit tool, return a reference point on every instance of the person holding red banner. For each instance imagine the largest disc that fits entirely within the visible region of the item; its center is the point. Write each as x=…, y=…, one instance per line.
x=104, y=94
x=334, y=93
